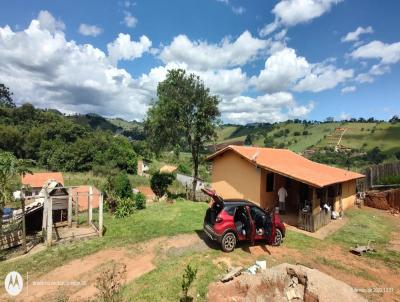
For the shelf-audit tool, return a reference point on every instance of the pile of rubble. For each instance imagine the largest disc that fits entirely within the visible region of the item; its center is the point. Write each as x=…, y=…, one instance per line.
x=383, y=200
x=284, y=282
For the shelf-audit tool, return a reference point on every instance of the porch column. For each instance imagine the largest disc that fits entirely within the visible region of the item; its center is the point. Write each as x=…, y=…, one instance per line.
x=50, y=222
x=90, y=207
x=70, y=207
x=101, y=215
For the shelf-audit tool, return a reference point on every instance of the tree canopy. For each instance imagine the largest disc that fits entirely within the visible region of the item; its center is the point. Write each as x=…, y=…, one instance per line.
x=6, y=99
x=185, y=115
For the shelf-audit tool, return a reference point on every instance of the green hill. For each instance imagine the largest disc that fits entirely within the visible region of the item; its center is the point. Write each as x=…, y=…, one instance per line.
x=299, y=137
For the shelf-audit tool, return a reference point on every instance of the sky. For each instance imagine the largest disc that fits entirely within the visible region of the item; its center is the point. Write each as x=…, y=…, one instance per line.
x=268, y=61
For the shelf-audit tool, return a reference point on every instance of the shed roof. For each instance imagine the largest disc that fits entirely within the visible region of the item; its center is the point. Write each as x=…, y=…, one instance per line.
x=37, y=180
x=292, y=165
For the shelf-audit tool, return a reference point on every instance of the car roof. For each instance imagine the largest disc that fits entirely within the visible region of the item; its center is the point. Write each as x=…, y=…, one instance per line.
x=237, y=202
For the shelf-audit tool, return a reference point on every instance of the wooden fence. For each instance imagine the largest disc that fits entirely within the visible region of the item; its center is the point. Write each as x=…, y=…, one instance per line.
x=311, y=223
x=375, y=174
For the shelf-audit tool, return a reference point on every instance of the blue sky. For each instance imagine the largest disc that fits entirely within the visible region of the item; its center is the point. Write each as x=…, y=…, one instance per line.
x=267, y=60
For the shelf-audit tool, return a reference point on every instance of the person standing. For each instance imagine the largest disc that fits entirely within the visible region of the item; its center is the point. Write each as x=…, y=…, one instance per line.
x=282, y=194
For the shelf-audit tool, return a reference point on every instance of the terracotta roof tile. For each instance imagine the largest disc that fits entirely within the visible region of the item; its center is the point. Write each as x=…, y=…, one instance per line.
x=37, y=180
x=292, y=165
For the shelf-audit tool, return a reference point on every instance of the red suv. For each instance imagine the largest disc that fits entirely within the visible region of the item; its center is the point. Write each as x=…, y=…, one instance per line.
x=231, y=220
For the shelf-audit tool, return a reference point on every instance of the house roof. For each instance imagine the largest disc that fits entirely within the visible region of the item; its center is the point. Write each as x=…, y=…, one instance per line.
x=292, y=165
x=168, y=169
x=37, y=180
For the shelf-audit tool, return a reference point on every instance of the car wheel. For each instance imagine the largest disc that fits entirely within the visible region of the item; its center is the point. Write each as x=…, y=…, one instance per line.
x=278, y=237
x=228, y=242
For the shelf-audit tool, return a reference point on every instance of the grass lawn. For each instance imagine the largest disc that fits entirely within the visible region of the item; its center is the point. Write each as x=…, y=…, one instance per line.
x=158, y=219
x=164, y=282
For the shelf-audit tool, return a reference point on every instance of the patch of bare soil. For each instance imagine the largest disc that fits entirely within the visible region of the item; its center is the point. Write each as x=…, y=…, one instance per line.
x=76, y=278
x=284, y=282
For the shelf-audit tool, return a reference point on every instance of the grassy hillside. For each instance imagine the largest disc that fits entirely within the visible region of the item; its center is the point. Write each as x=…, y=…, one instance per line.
x=300, y=137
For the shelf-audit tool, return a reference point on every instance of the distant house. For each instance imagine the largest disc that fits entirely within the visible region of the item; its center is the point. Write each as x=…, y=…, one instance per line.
x=142, y=166
x=36, y=181
x=256, y=174
x=81, y=196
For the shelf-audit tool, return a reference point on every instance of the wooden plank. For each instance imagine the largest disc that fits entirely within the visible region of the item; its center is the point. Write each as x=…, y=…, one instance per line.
x=50, y=222
x=101, y=215
x=69, y=208
x=90, y=207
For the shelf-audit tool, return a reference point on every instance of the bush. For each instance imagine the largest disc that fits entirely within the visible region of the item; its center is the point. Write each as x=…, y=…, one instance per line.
x=397, y=154
x=140, y=201
x=160, y=182
x=305, y=132
x=110, y=282
x=187, y=280
x=184, y=169
x=125, y=207
x=119, y=186
x=296, y=133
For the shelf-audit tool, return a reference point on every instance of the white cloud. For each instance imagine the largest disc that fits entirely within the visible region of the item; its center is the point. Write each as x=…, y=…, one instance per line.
x=274, y=107
x=387, y=53
x=323, y=77
x=345, y=116
x=375, y=71
x=281, y=70
x=348, y=89
x=129, y=20
x=292, y=12
x=42, y=67
x=123, y=48
x=48, y=22
x=355, y=35
x=89, y=30
x=285, y=70
x=237, y=10
x=202, y=55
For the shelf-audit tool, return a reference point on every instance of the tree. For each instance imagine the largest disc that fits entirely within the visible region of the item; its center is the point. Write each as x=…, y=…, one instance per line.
x=10, y=167
x=185, y=114
x=375, y=156
x=160, y=182
x=6, y=97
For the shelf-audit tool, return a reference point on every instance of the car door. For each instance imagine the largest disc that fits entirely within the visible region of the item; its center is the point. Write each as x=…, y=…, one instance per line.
x=252, y=236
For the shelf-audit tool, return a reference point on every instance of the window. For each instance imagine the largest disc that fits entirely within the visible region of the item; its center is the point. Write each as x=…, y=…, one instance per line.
x=270, y=182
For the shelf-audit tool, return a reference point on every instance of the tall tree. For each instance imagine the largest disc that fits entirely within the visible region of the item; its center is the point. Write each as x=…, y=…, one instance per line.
x=6, y=97
x=185, y=114
x=10, y=167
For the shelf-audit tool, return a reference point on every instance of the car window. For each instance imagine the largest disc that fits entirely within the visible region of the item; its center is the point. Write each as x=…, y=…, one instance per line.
x=255, y=211
x=230, y=210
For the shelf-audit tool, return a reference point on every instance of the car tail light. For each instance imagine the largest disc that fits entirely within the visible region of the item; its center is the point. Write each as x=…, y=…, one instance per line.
x=218, y=220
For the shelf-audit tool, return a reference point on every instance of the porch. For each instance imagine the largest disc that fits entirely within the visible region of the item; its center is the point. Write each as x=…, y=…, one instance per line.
x=307, y=207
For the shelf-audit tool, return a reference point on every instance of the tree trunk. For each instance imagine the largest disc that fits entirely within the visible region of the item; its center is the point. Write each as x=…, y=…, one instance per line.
x=195, y=176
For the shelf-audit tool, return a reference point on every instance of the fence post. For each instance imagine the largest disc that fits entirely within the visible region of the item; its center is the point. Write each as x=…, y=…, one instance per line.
x=101, y=215
x=77, y=210
x=50, y=222
x=90, y=208
x=44, y=217
x=23, y=224
x=70, y=207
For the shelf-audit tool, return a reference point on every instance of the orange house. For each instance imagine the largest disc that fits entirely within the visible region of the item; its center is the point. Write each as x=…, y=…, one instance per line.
x=256, y=174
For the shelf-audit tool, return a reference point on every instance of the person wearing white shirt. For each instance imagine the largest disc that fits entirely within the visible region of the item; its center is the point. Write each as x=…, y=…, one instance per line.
x=282, y=194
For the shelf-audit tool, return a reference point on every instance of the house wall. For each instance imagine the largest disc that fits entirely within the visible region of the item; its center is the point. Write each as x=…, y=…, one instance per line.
x=235, y=177
x=348, y=195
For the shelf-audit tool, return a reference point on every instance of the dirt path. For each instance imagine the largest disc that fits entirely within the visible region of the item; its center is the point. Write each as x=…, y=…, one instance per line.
x=76, y=278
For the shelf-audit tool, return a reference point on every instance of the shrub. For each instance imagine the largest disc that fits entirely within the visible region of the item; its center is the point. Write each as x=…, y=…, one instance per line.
x=296, y=133
x=305, y=132
x=125, y=207
x=140, y=201
x=160, y=182
x=397, y=154
x=119, y=186
x=184, y=169
x=110, y=282
x=187, y=280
